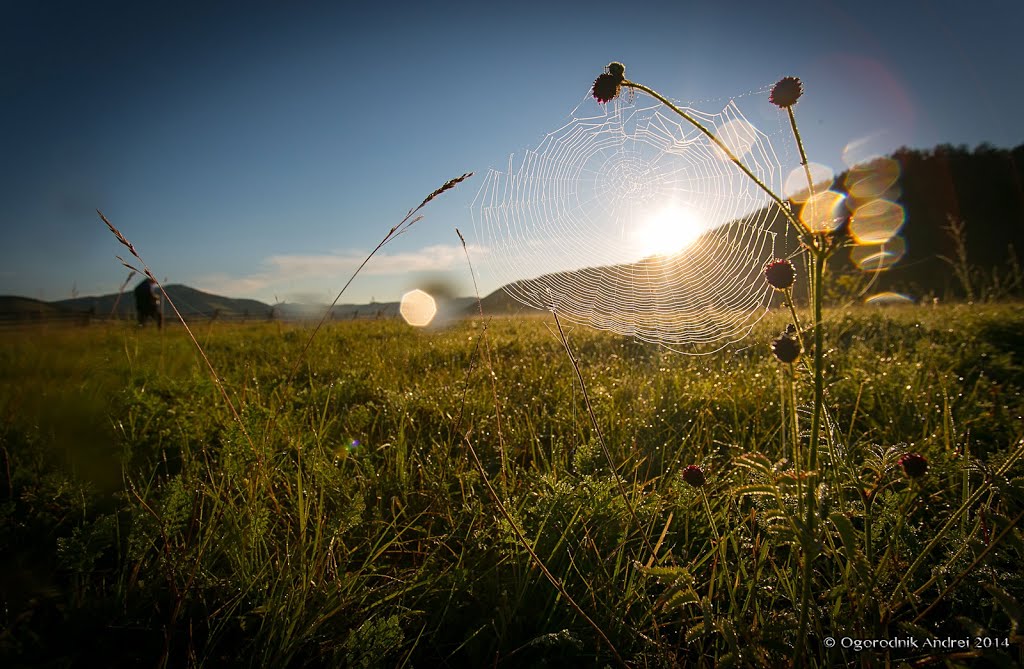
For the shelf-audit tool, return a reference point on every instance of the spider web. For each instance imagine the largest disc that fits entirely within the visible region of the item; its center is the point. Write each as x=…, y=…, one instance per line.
x=629, y=219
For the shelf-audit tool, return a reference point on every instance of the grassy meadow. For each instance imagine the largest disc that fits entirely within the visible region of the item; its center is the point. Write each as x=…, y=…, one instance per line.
x=442, y=499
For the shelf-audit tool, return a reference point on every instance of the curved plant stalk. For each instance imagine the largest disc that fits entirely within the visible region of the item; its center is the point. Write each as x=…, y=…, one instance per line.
x=600, y=438
x=209, y=365
x=411, y=218
x=818, y=246
x=803, y=154
x=536, y=558
x=783, y=206
x=489, y=360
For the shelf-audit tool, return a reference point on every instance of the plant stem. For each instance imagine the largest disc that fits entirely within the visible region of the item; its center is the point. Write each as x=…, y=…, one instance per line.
x=868, y=548
x=981, y=556
x=721, y=548
x=792, y=311
x=536, y=558
x=490, y=368
x=803, y=154
x=600, y=438
x=940, y=535
x=901, y=518
x=818, y=258
x=783, y=206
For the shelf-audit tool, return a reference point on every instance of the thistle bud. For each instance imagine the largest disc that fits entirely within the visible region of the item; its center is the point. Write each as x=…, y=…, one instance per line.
x=787, y=348
x=780, y=274
x=607, y=86
x=914, y=465
x=694, y=475
x=786, y=92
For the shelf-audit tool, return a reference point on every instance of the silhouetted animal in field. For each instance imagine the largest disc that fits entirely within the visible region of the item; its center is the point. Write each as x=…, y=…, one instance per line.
x=147, y=302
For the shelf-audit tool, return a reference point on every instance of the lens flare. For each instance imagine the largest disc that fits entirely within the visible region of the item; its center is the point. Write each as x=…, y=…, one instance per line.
x=738, y=135
x=824, y=212
x=878, y=257
x=418, y=308
x=876, y=221
x=882, y=299
x=822, y=176
x=872, y=180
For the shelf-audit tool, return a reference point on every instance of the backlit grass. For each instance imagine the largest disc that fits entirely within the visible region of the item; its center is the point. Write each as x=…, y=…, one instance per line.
x=356, y=530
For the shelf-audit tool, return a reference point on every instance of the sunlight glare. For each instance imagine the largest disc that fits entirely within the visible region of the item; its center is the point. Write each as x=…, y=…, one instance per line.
x=669, y=230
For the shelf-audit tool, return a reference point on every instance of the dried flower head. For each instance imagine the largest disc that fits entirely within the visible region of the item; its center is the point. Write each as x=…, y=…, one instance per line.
x=780, y=274
x=914, y=465
x=694, y=475
x=785, y=93
x=787, y=348
x=607, y=86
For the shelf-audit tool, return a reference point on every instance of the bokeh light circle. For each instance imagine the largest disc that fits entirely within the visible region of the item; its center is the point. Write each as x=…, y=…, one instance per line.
x=876, y=221
x=418, y=308
x=824, y=212
x=878, y=257
x=823, y=178
x=872, y=180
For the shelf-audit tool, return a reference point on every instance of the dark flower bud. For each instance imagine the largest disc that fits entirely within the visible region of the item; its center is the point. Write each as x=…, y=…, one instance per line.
x=694, y=475
x=780, y=274
x=785, y=93
x=607, y=86
x=787, y=348
x=914, y=465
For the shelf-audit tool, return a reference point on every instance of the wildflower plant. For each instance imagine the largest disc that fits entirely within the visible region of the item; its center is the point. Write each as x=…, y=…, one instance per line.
x=818, y=243
x=812, y=519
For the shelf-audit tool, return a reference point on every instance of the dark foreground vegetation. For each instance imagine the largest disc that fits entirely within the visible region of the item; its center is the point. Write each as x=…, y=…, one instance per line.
x=348, y=524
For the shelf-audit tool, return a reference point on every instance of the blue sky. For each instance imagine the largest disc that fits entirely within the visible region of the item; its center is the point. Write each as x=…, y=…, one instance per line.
x=262, y=149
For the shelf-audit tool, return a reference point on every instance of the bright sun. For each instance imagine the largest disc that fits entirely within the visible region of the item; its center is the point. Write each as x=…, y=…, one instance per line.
x=669, y=230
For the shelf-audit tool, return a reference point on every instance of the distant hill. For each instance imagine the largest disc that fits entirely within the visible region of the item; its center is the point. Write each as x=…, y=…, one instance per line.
x=16, y=310
x=653, y=280
x=196, y=304
x=499, y=302
x=190, y=302
x=299, y=311
x=14, y=304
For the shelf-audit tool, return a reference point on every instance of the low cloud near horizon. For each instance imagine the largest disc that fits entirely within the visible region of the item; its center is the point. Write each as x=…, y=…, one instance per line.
x=293, y=274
